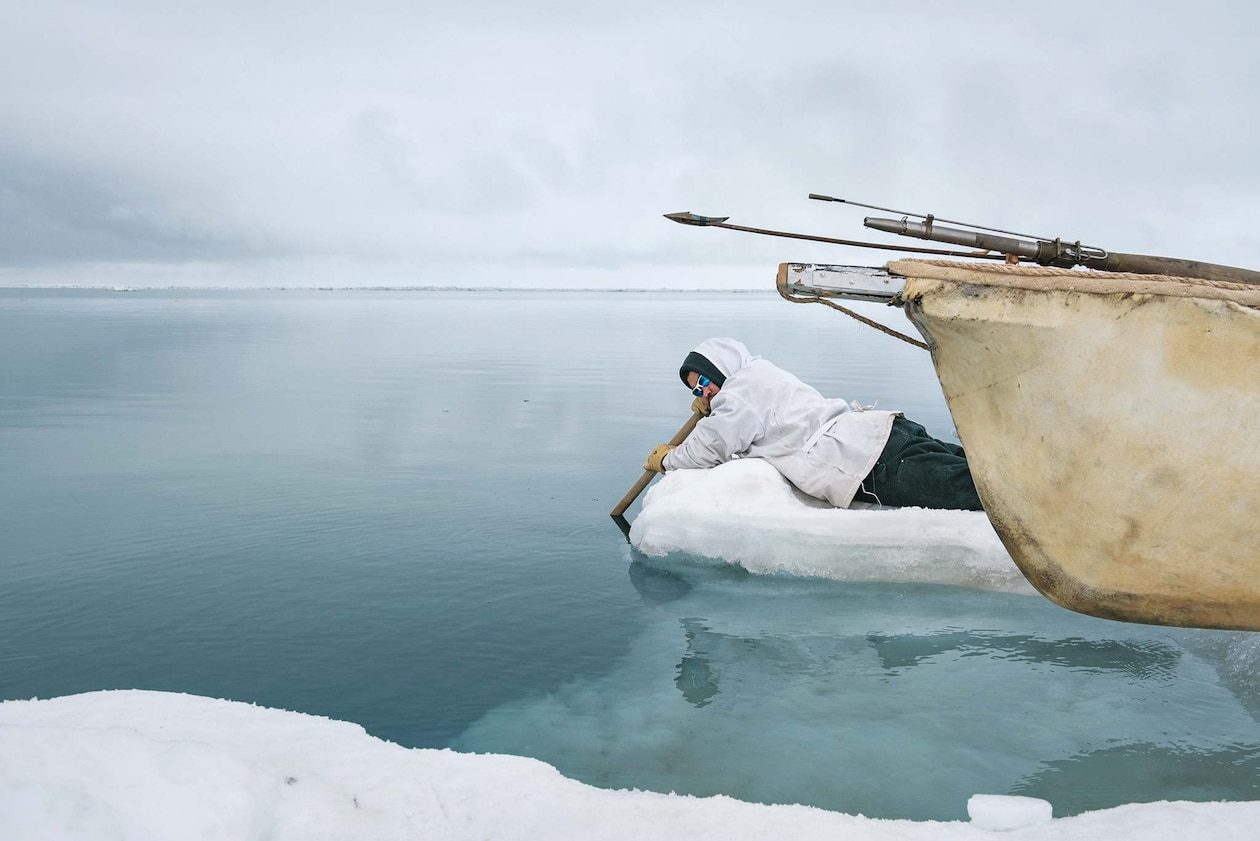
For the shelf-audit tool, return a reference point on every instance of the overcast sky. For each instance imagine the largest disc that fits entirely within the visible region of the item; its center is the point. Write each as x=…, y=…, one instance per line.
x=254, y=142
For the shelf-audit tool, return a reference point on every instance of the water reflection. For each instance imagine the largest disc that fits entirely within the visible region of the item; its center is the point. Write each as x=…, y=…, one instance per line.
x=696, y=679
x=1141, y=659
x=855, y=696
x=657, y=586
x=1094, y=780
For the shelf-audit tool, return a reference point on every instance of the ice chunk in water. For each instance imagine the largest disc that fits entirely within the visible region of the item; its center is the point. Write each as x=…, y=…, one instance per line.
x=744, y=512
x=1002, y=811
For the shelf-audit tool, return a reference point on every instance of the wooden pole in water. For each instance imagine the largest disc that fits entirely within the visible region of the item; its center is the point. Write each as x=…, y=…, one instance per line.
x=633, y=493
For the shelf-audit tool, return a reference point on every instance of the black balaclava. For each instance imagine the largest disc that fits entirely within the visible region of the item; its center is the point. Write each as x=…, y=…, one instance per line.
x=701, y=365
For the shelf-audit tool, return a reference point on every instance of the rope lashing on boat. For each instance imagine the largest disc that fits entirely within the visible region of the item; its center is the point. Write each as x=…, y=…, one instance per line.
x=787, y=295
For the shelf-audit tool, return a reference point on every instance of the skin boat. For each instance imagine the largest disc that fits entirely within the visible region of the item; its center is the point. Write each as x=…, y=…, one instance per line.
x=1111, y=421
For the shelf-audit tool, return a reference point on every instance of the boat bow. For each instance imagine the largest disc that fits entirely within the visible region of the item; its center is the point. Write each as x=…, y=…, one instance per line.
x=1111, y=423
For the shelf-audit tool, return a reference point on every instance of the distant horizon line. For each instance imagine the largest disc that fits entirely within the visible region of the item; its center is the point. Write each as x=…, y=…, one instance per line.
x=128, y=289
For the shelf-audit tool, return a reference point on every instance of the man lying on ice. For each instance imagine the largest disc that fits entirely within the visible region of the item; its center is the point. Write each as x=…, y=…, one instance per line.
x=828, y=448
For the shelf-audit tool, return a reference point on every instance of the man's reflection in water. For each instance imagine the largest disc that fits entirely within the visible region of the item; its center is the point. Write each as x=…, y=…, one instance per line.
x=696, y=678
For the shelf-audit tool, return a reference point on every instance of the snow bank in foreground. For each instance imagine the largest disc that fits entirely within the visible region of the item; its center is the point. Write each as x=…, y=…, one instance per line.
x=150, y=765
x=745, y=512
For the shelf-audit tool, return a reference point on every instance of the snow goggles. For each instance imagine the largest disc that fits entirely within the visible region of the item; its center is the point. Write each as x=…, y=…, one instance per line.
x=698, y=391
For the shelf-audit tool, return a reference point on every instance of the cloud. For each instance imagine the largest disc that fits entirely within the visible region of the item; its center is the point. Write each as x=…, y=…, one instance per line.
x=557, y=133
x=53, y=212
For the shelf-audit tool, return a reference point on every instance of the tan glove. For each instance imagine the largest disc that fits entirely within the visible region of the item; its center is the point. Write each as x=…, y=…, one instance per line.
x=701, y=405
x=656, y=457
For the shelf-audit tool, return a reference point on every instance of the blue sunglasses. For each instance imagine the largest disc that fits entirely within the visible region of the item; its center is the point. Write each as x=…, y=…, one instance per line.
x=698, y=391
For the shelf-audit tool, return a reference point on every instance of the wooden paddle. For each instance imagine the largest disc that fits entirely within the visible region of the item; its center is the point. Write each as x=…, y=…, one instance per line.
x=633, y=493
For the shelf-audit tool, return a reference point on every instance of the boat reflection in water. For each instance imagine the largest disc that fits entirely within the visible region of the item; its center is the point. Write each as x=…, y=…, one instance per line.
x=852, y=695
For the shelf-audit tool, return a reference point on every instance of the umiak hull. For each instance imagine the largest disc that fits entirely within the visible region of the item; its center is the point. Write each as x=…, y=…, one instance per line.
x=1112, y=423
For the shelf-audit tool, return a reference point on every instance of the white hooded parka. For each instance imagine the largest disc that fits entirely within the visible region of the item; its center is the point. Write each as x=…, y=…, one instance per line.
x=825, y=447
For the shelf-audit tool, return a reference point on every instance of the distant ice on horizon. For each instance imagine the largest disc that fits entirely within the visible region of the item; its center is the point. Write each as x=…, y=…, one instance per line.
x=744, y=512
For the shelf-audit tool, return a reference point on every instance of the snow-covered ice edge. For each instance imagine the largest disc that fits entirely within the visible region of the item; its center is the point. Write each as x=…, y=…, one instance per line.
x=150, y=765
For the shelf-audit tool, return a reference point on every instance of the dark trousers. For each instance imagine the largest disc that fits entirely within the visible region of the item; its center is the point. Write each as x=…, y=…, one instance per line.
x=915, y=469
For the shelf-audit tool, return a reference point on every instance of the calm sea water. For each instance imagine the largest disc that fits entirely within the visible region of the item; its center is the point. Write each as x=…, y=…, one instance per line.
x=392, y=508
